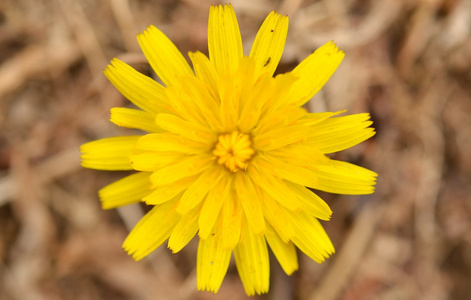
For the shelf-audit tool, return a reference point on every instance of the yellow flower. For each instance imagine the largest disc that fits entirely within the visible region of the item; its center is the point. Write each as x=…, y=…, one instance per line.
x=230, y=153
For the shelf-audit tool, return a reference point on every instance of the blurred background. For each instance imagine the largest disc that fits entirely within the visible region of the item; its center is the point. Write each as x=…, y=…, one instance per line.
x=407, y=62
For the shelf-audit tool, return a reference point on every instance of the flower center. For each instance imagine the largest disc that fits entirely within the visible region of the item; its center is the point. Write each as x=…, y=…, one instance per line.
x=234, y=150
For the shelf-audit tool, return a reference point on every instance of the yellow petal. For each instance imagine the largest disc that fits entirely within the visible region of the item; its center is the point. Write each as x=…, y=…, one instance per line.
x=285, y=253
x=278, y=218
x=164, y=57
x=273, y=186
x=169, y=142
x=235, y=91
x=199, y=103
x=229, y=105
x=109, y=153
x=204, y=70
x=185, y=167
x=280, y=118
x=141, y=90
x=230, y=222
x=314, y=71
x=224, y=41
x=192, y=131
x=310, y=237
x=344, y=178
x=134, y=118
x=152, y=161
x=311, y=203
x=269, y=43
x=212, y=262
x=206, y=181
x=186, y=106
x=251, y=257
x=311, y=119
x=212, y=206
x=281, y=137
x=297, y=174
x=252, y=109
x=128, y=190
x=184, y=231
x=291, y=195
x=300, y=155
x=263, y=105
x=151, y=231
x=340, y=133
x=244, y=82
x=167, y=192
x=251, y=203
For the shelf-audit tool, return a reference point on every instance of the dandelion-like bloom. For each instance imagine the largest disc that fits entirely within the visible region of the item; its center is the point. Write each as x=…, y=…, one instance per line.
x=231, y=155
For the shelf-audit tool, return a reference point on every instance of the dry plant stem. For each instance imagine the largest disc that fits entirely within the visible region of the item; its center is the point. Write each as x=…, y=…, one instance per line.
x=431, y=172
x=458, y=27
x=86, y=37
x=338, y=9
x=383, y=14
x=290, y=7
x=347, y=259
x=130, y=214
x=34, y=60
x=252, y=8
x=33, y=244
x=318, y=104
x=56, y=166
x=282, y=287
x=127, y=25
x=188, y=287
x=421, y=30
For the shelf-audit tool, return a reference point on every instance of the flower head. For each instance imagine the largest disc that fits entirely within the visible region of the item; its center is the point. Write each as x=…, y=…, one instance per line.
x=230, y=153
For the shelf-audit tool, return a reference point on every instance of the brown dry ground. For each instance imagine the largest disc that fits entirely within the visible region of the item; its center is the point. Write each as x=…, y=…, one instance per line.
x=408, y=63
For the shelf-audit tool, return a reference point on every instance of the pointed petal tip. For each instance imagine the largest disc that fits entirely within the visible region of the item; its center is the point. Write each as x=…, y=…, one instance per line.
x=275, y=14
x=221, y=6
x=173, y=249
x=134, y=253
x=116, y=63
x=148, y=29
